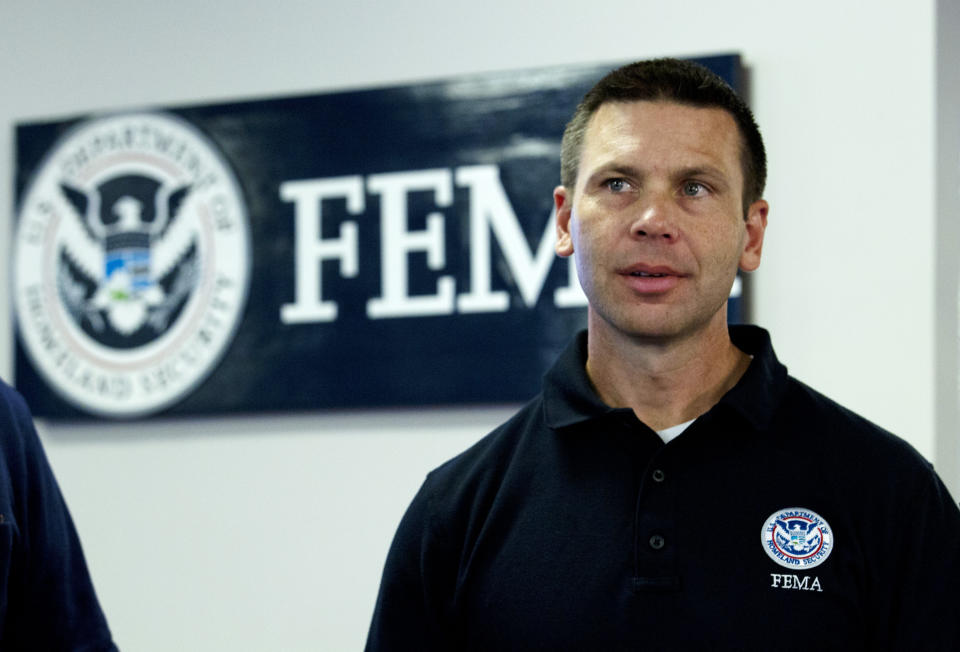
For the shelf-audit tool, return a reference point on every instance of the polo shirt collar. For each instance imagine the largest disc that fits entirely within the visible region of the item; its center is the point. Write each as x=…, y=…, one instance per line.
x=569, y=396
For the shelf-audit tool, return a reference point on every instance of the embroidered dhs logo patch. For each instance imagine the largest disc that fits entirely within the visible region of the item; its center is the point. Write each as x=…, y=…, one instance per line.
x=131, y=263
x=797, y=538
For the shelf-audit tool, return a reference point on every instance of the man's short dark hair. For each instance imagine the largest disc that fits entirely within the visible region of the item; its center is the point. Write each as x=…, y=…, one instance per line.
x=673, y=80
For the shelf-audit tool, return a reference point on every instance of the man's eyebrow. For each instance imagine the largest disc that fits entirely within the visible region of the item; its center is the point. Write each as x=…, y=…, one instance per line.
x=711, y=173
x=703, y=170
x=617, y=168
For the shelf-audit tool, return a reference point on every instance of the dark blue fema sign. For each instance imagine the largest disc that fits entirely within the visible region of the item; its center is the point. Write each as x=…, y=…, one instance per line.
x=382, y=247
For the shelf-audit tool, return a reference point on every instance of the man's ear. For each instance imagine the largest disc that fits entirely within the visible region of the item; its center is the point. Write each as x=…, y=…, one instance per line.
x=756, y=223
x=563, y=203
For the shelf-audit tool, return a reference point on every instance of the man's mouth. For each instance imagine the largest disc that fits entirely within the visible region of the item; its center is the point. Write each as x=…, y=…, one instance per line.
x=651, y=279
x=648, y=274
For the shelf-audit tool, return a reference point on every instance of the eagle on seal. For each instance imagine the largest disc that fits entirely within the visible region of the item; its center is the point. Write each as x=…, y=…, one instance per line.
x=127, y=258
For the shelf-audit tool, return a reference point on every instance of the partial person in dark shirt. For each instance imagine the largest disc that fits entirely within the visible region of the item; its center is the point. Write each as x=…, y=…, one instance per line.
x=47, y=601
x=672, y=487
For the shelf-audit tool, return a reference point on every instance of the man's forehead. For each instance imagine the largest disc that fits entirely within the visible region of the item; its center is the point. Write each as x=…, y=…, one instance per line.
x=659, y=114
x=665, y=126
x=654, y=137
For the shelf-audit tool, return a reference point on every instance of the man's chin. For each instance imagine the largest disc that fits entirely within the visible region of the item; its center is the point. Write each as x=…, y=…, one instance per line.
x=655, y=328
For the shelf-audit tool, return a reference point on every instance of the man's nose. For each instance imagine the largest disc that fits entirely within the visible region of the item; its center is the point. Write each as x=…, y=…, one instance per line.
x=656, y=220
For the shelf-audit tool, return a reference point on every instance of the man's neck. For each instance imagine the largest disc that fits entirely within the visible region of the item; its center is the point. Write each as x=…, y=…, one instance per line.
x=664, y=381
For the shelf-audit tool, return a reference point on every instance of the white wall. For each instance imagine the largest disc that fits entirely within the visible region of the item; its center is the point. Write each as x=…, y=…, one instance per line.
x=947, y=370
x=269, y=533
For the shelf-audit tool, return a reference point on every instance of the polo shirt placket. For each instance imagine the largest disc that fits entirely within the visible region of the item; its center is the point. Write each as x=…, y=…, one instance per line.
x=655, y=546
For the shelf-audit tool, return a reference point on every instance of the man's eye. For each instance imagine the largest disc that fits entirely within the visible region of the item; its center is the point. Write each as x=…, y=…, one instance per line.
x=617, y=185
x=693, y=189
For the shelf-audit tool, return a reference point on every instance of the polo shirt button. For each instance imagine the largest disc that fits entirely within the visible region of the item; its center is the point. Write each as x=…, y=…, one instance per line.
x=656, y=542
x=658, y=475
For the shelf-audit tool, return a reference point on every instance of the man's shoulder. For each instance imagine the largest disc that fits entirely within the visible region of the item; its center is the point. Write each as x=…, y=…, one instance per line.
x=498, y=446
x=16, y=420
x=485, y=463
x=12, y=404
x=810, y=415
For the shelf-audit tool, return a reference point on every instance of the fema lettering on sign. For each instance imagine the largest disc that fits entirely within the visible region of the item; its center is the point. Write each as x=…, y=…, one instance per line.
x=491, y=217
x=130, y=263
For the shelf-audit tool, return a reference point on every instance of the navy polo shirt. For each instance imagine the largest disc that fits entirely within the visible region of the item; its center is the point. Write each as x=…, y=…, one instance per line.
x=47, y=601
x=777, y=520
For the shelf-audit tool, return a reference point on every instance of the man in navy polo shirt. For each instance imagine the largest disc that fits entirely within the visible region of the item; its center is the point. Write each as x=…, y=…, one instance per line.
x=672, y=487
x=47, y=601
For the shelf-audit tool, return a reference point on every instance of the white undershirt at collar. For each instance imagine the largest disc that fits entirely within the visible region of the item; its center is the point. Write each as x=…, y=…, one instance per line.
x=668, y=434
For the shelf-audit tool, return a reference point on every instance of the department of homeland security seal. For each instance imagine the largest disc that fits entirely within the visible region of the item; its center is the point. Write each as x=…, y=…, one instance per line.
x=797, y=538
x=131, y=263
